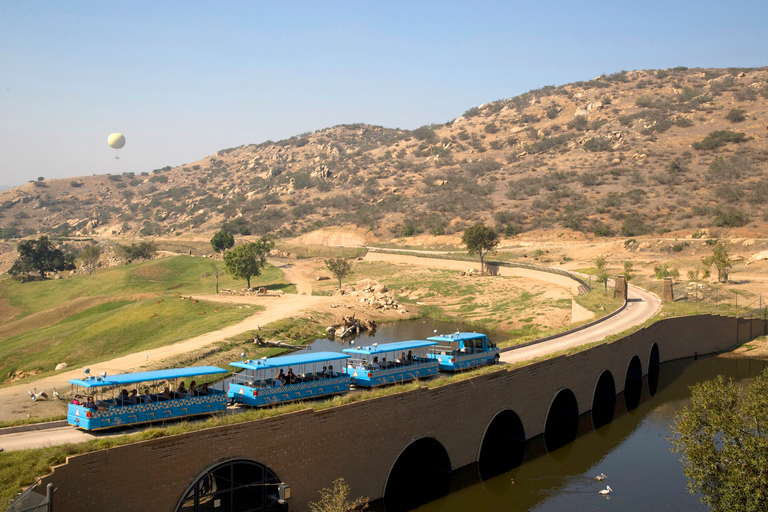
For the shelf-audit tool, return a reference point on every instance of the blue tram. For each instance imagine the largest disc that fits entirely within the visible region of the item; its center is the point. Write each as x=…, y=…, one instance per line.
x=464, y=351
x=389, y=363
x=108, y=403
x=263, y=382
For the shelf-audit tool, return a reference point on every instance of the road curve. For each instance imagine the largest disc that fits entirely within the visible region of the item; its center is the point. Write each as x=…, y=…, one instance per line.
x=641, y=305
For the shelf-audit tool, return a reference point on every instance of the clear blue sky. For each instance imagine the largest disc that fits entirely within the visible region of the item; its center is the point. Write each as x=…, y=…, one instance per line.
x=182, y=80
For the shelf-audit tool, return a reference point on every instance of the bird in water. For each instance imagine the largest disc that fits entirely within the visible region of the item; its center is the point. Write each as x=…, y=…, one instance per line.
x=600, y=477
x=606, y=491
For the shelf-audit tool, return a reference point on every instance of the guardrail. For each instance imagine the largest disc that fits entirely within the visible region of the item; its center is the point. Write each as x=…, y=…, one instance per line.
x=30, y=501
x=466, y=257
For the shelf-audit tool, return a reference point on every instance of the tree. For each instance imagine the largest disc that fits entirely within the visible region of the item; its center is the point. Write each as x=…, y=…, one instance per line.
x=600, y=263
x=480, y=239
x=244, y=262
x=89, y=257
x=40, y=256
x=335, y=500
x=216, y=272
x=222, y=241
x=263, y=246
x=602, y=277
x=723, y=439
x=340, y=268
x=628, y=270
x=720, y=260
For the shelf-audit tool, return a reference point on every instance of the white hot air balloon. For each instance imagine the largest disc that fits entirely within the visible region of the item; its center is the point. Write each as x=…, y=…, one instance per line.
x=116, y=141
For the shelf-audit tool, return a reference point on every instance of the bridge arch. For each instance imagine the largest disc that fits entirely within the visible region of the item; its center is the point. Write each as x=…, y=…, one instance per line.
x=562, y=421
x=503, y=445
x=654, y=366
x=421, y=473
x=604, y=400
x=235, y=485
x=633, y=383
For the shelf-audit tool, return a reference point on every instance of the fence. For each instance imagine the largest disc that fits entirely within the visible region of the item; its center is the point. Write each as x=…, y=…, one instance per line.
x=30, y=501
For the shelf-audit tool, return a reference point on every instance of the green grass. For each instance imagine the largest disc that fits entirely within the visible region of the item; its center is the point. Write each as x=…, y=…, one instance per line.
x=177, y=274
x=113, y=329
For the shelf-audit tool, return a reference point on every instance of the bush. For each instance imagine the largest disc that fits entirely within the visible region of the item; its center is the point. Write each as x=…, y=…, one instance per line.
x=719, y=138
x=731, y=218
x=424, y=133
x=158, y=178
x=491, y=128
x=76, y=184
x=578, y=123
x=597, y=144
x=736, y=115
x=548, y=143
x=553, y=111
x=634, y=225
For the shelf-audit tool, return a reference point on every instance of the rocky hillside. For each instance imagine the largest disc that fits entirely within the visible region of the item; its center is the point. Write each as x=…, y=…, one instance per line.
x=642, y=152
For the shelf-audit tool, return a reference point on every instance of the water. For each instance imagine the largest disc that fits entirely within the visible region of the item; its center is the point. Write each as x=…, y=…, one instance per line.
x=418, y=329
x=632, y=451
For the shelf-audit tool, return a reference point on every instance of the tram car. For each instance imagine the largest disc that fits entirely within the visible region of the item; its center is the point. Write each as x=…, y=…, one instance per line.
x=463, y=351
x=103, y=401
x=264, y=381
x=390, y=363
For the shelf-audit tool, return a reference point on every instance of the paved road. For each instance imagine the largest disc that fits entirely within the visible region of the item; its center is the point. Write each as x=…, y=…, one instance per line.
x=641, y=305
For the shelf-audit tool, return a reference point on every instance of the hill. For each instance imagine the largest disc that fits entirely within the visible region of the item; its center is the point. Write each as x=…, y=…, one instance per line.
x=642, y=152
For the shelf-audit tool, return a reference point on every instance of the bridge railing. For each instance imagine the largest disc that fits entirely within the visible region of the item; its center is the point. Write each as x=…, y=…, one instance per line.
x=30, y=501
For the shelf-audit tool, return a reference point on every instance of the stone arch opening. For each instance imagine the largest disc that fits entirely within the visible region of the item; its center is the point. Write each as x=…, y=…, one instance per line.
x=422, y=473
x=633, y=383
x=503, y=445
x=653, y=369
x=604, y=400
x=562, y=420
x=233, y=486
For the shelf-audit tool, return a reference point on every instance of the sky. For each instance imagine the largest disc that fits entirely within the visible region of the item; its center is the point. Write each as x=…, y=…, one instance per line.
x=182, y=80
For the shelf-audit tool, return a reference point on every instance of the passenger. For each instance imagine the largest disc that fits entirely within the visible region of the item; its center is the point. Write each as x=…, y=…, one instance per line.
x=75, y=401
x=90, y=404
x=362, y=365
x=134, y=398
x=281, y=377
x=409, y=358
x=204, y=389
x=290, y=377
x=193, y=388
x=123, y=399
x=147, y=396
x=279, y=383
x=401, y=359
x=332, y=373
x=384, y=362
x=375, y=364
x=166, y=394
x=182, y=391
x=324, y=373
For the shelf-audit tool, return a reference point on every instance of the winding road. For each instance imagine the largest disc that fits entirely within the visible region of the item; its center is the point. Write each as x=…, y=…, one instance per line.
x=641, y=306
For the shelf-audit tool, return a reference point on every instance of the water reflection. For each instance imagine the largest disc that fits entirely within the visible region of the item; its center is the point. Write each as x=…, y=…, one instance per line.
x=631, y=450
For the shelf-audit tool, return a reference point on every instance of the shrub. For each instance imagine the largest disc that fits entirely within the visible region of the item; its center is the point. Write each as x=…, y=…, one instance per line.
x=683, y=122
x=597, y=144
x=731, y=217
x=158, y=178
x=76, y=184
x=548, y=143
x=719, y=138
x=553, y=111
x=491, y=128
x=736, y=115
x=578, y=123
x=634, y=225
x=726, y=170
x=424, y=133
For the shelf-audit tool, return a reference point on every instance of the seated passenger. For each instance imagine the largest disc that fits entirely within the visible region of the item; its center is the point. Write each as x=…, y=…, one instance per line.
x=281, y=377
x=193, y=388
x=290, y=377
x=75, y=401
x=401, y=359
x=204, y=390
x=278, y=383
x=166, y=394
x=332, y=373
x=375, y=364
x=134, y=398
x=383, y=362
x=123, y=398
x=409, y=358
x=181, y=392
x=90, y=404
x=362, y=365
x=147, y=397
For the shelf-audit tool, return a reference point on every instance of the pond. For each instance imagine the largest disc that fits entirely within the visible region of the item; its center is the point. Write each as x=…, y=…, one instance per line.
x=632, y=451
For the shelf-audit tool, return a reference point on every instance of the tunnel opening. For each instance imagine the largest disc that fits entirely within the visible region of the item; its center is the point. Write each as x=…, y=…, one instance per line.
x=562, y=421
x=234, y=486
x=633, y=384
x=422, y=473
x=653, y=370
x=604, y=401
x=503, y=445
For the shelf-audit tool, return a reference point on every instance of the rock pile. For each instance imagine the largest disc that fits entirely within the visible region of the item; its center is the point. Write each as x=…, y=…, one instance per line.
x=349, y=325
x=252, y=291
x=373, y=294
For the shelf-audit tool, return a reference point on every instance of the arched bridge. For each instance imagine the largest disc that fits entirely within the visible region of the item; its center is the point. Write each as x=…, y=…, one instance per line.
x=410, y=440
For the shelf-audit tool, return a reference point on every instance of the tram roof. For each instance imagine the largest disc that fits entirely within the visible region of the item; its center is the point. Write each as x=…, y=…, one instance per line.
x=397, y=346
x=95, y=381
x=457, y=336
x=293, y=359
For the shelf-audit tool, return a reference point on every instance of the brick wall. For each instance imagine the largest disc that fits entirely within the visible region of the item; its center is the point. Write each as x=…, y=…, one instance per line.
x=362, y=441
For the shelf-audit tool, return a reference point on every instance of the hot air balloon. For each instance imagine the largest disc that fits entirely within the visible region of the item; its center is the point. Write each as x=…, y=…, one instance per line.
x=116, y=141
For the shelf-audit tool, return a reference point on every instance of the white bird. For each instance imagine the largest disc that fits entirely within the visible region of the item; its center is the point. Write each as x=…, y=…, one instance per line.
x=600, y=477
x=242, y=354
x=35, y=395
x=56, y=394
x=146, y=356
x=606, y=491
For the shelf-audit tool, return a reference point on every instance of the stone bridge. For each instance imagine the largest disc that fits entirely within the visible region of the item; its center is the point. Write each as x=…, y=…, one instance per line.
x=398, y=445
